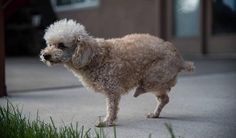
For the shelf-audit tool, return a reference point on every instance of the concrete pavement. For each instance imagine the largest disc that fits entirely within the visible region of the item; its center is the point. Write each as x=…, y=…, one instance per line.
x=201, y=106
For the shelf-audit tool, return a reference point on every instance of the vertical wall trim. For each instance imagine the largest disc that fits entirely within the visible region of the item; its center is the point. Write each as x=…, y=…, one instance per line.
x=163, y=19
x=204, y=25
x=2, y=56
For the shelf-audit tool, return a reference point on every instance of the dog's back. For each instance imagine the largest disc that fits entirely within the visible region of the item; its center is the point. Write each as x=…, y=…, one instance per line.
x=131, y=57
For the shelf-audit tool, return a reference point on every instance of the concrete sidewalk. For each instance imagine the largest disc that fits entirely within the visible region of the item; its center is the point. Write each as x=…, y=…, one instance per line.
x=200, y=107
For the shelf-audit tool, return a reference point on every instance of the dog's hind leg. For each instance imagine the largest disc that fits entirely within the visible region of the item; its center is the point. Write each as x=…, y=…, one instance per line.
x=163, y=99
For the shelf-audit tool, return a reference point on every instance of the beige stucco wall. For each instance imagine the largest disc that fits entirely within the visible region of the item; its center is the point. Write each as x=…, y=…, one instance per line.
x=115, y=18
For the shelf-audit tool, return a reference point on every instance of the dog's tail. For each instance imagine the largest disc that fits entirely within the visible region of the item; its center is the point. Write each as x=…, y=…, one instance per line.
x=188, y=66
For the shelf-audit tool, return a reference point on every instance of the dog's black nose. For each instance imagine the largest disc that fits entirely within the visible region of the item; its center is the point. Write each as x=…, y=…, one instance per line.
x=46, y=56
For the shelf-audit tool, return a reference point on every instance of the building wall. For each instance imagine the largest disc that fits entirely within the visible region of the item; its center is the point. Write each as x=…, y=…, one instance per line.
x=115, y=18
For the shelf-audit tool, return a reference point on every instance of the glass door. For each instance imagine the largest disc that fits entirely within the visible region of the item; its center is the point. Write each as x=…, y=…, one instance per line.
x=184, y=25
x=221, y=26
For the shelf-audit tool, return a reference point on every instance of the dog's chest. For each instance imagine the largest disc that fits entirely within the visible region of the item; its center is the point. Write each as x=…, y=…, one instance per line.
x=99, y=79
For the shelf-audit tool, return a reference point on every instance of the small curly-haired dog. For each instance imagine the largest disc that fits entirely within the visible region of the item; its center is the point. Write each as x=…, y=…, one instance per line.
x=115, y=66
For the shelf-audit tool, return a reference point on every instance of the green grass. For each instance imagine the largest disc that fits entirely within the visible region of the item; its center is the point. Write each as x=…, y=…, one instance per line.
x=14, y=125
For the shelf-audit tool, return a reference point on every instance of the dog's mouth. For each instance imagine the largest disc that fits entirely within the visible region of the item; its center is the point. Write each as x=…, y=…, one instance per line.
x=54, y=62
x=50, y=62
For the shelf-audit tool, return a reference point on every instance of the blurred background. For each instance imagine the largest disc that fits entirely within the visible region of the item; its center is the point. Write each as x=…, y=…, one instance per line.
x=204, y=31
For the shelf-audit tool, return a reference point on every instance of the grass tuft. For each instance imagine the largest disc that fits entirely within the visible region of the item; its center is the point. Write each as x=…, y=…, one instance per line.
x=14, y=125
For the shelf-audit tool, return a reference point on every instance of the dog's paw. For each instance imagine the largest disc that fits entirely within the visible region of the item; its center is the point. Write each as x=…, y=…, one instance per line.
x=152, y=115
x=105, y=124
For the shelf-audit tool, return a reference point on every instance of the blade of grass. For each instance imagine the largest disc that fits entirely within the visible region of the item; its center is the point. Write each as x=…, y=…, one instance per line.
x=114, y=130
x=170, y=130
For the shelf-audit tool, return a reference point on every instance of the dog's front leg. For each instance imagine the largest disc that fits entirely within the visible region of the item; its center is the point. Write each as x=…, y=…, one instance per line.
x=112, y=110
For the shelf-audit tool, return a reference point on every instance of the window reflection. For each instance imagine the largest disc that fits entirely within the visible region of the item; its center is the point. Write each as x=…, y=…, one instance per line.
x=186, y=18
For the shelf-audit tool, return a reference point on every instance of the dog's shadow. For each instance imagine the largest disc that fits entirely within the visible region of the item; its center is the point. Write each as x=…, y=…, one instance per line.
x=185, y=118
x=169, y=119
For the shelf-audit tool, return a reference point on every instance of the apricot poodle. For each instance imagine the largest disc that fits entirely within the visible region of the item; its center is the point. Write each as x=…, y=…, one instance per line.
x=115, y=66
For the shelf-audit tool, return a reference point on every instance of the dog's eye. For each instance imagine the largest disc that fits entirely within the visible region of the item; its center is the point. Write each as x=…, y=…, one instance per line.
x=61, y=46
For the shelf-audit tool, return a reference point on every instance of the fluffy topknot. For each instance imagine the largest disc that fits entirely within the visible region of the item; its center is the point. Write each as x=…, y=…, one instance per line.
x=64, y=30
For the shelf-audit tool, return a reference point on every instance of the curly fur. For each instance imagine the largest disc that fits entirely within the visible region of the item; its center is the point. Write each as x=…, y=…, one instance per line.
x=115, y=66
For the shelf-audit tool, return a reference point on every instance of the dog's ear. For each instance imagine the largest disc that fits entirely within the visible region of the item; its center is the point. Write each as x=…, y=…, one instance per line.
x=83, y=54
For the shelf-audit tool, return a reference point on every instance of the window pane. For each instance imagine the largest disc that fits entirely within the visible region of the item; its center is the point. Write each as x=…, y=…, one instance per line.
x=63, y=2
x=224, y=16
x=186, y=18
x=77, y=1
x=67, y=5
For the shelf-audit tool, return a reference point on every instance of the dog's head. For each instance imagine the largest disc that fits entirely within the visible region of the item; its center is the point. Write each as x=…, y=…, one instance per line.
x=64, y=39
